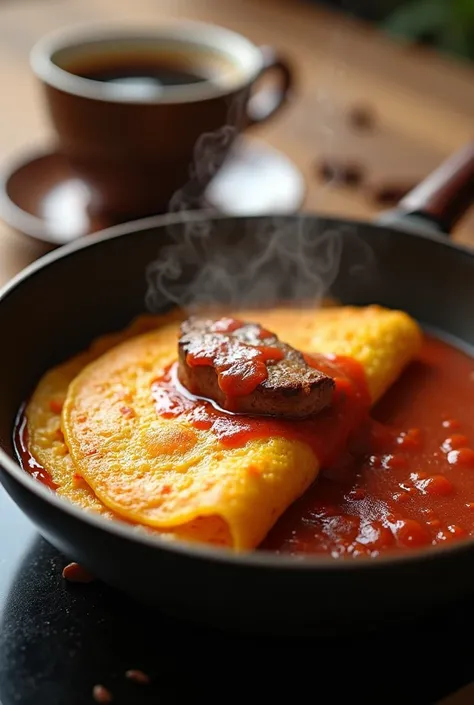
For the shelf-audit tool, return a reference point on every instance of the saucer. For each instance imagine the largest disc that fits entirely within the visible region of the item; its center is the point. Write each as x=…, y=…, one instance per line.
x=42, y=197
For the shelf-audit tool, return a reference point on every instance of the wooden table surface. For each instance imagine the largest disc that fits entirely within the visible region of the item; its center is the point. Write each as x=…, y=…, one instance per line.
x=424, y=103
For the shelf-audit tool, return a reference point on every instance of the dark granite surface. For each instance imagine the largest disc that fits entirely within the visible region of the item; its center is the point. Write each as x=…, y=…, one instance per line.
x=57, y=640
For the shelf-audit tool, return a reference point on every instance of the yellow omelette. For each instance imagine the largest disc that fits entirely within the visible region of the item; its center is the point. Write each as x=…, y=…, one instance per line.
x=165, y=475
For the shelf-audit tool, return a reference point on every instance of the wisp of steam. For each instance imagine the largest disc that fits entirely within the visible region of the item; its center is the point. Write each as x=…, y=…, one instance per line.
x=210, y=261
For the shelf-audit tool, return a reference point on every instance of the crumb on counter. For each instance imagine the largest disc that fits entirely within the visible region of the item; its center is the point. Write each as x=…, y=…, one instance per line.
x=75, y=573
x=340, y=171
x=137, y=676
x=362, y=117
x=101, y=694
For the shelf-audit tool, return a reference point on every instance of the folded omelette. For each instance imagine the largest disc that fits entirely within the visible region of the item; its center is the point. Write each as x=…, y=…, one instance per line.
x=93, y=425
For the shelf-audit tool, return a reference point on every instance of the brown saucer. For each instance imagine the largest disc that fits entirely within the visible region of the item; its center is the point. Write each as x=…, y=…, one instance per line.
x=42, y=197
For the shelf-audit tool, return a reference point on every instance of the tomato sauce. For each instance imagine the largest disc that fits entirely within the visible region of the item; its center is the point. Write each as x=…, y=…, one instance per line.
x=27, y=461
x=408, y=482
x=326, y=433
x=400, y=479
x=240, y=368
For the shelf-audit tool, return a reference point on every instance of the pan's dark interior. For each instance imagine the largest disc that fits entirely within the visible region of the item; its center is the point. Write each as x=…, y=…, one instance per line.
x=82, y=292
x=61, y=307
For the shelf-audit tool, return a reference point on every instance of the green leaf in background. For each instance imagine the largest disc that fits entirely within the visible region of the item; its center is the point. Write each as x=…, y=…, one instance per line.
x=447, y=24
x=464, y=11
x=456, y=40
x=417, y=18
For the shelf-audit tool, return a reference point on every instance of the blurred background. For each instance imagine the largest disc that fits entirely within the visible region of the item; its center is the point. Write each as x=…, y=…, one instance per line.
x=383, y=93
x=447, y=25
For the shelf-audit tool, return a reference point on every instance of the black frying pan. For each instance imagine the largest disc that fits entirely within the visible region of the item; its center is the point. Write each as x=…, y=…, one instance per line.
x=56, y=306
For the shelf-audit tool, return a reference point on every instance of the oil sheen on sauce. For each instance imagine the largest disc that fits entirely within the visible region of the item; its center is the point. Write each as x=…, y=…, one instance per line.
x=405, y=478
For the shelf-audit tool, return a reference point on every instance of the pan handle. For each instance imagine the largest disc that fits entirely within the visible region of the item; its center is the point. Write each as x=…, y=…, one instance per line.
x=441, y=199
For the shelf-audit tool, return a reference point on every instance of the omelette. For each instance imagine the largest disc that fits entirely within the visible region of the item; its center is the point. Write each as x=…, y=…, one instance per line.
x=93, y=425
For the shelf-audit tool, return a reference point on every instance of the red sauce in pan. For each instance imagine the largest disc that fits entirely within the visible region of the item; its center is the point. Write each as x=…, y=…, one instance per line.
x=405, y=480
x=409, y=482
x=326, y=433
x=28, y=462
x=240, y=367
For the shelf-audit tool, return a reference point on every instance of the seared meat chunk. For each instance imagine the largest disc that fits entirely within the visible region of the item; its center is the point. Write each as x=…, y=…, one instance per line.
x=247, y=370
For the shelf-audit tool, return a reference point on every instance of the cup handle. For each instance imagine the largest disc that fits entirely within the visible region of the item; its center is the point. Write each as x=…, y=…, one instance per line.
x=268, y=100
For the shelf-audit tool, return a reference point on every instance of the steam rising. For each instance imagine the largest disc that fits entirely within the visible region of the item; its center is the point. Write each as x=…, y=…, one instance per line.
x=212, y=262
x=209, y=154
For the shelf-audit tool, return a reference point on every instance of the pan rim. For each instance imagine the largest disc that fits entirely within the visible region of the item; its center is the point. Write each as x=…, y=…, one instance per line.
x=196, y=551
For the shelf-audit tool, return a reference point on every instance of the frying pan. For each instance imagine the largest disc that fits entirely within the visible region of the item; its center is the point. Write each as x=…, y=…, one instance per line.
x=55, y=307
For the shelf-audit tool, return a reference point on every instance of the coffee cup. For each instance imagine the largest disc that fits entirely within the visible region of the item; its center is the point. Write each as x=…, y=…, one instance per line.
x=141, y=112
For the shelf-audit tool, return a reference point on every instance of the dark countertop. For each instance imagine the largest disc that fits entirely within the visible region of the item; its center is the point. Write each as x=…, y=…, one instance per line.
x=57, y=640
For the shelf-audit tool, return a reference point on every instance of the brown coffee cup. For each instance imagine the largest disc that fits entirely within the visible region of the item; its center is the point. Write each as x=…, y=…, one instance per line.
x=143, y=113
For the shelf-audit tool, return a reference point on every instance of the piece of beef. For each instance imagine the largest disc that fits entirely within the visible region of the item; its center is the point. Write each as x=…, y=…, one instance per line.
x=246, y=369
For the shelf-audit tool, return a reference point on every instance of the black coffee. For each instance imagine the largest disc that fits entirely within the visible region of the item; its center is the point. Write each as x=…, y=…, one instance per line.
x=152, y=69
x=150, y=73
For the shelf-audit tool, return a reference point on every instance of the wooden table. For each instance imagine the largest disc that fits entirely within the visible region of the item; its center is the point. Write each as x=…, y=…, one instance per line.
x=424, y=103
